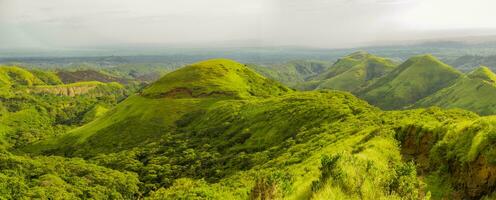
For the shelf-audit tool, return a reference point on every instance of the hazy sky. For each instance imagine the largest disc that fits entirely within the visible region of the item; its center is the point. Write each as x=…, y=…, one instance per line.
x=317, y=23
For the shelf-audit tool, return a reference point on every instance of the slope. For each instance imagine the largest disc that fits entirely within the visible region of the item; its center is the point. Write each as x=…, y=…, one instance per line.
x=355, y=71
x=216, y=77
x=416, y=78
x=216, y=142
x=475, y=92
x=292, y=73
x=15, y=76
x=145, y=117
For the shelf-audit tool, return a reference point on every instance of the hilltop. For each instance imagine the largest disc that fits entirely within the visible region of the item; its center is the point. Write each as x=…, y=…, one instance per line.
x=11, y=76
x=216, y=77
x=147, y=116
x=483, y=73
x=416, y=78
x=354, y=72
x=476, y=92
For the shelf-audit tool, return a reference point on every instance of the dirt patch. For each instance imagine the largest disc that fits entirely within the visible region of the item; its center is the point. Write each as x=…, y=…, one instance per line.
x=416, y=146
x=476, y=179
x=182, y=92
x=471, y=180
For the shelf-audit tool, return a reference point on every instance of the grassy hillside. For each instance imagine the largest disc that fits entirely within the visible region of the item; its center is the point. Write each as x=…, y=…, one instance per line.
x=416, y=78
x=14, y=76
x=35, y=105
x=354, y=72
x=475, y=92
x=208, y=131
x=216, y=77
x=143, y=118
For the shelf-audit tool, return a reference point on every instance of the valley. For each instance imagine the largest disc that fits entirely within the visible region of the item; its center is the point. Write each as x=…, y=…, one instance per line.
x=365, y=127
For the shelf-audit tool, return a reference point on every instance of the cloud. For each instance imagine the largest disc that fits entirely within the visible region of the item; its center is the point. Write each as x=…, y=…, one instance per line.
x=322, y=23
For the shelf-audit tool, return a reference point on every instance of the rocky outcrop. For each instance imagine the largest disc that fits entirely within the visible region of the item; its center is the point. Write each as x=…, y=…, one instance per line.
x=64, y=91
x=471, y=180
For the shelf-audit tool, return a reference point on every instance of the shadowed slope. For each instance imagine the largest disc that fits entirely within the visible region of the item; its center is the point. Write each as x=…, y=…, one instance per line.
x=355, y=71
x=475, y=92
x=416, y=78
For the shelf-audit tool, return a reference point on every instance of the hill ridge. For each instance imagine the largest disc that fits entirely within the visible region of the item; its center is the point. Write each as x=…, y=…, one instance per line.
x=414, y=79
x=214, y=77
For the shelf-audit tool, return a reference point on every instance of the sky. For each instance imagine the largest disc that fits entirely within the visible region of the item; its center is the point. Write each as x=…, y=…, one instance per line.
x=212, y=23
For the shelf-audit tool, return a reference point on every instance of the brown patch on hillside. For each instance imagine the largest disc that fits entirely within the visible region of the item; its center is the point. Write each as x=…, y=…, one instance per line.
x=417, y=148
x=476, y=179
x=471, y=180
x=182, y=92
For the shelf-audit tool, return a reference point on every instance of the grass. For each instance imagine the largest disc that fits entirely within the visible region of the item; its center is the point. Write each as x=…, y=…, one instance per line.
x=215, y=77
x=12, y=75
x=416, y=78
x=216, y=129
x=357, y=71
x=475, y=92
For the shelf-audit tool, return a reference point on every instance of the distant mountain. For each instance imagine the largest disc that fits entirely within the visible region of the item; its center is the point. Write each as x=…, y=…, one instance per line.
x=292, y=73
x=89, y=75
x=475, y=92
x=354, y=72
x=416, y=78
x=470, y=62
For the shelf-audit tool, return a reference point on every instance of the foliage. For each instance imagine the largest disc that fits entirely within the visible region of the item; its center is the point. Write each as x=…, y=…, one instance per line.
x=61, y=178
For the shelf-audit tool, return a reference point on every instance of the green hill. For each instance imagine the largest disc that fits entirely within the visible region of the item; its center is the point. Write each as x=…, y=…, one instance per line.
x=483, y=73
x=416, y=78
x=34, y=104
x=475, y=92
x=207, y=131
x=143, y=118
x=216, y=77
x=355, y=71
x=15, y=76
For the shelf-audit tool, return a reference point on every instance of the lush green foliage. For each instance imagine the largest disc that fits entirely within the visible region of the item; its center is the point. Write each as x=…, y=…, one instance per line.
x=62, y=178
x=217, y=130
x=216, y=77
x=413, y=80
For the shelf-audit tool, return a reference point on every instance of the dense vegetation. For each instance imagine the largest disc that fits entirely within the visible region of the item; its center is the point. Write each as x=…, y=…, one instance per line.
x=218, y=130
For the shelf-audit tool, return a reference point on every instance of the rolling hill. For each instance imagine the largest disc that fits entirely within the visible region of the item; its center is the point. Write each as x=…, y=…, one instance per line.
x=147, y=116
x=292, y=73
x=217, y=130
x=35, y=104
x=354, y=72
x=416, y=78
x=475, y=92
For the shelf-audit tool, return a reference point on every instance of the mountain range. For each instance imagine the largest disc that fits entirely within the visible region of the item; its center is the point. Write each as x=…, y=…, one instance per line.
x=217, y=129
